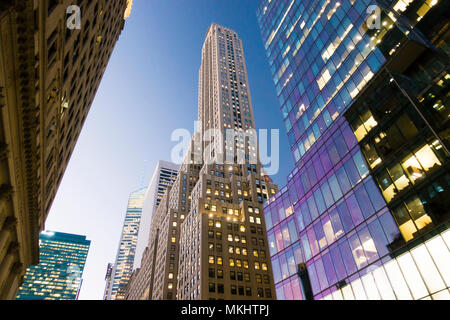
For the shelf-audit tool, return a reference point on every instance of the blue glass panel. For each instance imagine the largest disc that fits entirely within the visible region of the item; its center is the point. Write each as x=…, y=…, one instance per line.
x=345, y=217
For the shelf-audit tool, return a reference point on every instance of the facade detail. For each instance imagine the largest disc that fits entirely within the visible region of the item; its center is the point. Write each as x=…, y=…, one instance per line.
x=49, y=75
x=58, y=276
x=363, y=88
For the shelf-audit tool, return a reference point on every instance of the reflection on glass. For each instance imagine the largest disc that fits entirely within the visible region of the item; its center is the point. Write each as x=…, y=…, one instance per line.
x=412, y=167
x=417, y=212
x=386, y=185
x=404, y=222
x=371, y=155
x=397, y=174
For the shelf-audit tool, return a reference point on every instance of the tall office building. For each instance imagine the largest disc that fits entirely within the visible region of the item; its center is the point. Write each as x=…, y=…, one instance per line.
x=49, y=74
x=223, y=241
x=363, y=87
x=123, y=266
x=208, y=238
x=156, y=277
x=58, y=276
x=164, y=176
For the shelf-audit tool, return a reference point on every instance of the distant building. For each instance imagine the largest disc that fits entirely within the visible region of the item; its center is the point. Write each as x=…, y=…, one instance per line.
x=163, y=177
x=123, y=266
x=108, y=275
x=49, y=75
x=58, y=276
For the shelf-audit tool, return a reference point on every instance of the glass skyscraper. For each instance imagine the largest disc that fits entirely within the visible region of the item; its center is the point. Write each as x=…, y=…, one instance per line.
x=363, y=89
x=123, y=267
x=58, y=276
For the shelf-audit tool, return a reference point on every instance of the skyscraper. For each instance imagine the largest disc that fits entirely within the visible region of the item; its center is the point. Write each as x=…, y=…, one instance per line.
x=207, y=238
x=362, y=87
x=164, y=176
x=223, y=242
x=123, y=266
x=52, y=57
x=58, y=276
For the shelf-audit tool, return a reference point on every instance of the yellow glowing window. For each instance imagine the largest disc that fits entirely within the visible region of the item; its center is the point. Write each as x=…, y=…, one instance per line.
x=218, y=224
x=427, y=158
x=264, y=266
x=289, y=211
x=412, y=168
x=231, y=249
x=255, y=253
x=219, y=261
x=231, y=262
x=257, y=265
x=211, y=259
x=242, y=228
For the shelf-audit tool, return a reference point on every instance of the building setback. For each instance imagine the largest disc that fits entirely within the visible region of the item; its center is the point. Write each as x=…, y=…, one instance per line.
x=58, y=276
x=208, y=238
x=363, y=88
x=49, y=75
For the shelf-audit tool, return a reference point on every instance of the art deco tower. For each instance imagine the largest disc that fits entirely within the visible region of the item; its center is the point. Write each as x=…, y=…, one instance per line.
x=223, y=244
x=208, y=238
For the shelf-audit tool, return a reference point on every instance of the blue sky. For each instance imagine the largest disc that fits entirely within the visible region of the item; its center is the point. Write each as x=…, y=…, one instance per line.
x=148, y=90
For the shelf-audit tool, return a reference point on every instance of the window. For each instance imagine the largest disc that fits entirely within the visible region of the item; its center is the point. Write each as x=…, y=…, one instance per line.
x=233, y=290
